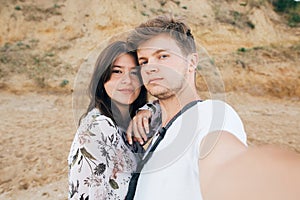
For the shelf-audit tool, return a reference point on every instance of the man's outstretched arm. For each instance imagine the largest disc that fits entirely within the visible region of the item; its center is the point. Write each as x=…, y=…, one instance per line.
x=231, y=172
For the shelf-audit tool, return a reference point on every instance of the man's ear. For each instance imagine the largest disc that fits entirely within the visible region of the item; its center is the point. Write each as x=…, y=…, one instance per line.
x=193, y=61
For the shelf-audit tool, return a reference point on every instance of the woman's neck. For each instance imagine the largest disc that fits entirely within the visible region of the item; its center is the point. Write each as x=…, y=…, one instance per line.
x=121, y=114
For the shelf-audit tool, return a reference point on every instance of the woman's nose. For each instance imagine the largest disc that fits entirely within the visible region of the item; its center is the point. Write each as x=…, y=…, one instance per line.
x=126, y=78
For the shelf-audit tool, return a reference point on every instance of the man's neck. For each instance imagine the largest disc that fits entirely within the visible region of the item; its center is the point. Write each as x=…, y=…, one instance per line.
x=171, y=106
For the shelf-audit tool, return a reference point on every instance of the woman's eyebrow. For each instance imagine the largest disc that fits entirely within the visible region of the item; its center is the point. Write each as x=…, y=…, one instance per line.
x=114, y=66
x=122, y=67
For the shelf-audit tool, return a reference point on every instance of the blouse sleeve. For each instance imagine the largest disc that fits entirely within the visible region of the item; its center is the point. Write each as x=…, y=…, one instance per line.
x=97, y=160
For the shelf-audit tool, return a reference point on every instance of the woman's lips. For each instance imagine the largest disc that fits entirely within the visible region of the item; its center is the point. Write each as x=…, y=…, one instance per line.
x=126, y=90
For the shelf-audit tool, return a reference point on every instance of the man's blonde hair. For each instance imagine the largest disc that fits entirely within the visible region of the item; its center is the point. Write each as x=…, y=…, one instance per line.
x=176, y=28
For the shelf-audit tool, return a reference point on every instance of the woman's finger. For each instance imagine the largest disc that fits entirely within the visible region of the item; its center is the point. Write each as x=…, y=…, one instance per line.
x=135, y=130
x=129, y=133
x=146, y=124
x=140, y=127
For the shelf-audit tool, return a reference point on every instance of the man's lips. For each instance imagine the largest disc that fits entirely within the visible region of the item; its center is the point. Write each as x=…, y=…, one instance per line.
x=154, y=80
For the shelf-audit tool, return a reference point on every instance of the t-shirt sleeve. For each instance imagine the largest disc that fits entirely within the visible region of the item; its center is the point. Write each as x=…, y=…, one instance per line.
x=218, y=116
x=224, y=117
x=234, y=124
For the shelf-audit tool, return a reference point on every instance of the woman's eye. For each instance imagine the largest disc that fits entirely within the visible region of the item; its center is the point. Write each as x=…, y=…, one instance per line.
x=134, y=73
x=117, y=71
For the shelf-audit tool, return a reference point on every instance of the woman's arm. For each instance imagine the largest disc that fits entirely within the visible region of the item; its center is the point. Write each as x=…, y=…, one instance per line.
x=99, y=158
x=145, y=123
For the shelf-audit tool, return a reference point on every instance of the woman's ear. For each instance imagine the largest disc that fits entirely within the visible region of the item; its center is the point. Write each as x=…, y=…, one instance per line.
x=193, y=61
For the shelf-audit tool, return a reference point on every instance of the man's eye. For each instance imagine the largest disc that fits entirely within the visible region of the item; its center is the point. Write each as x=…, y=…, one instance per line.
x=143, y=63
x=162, y=56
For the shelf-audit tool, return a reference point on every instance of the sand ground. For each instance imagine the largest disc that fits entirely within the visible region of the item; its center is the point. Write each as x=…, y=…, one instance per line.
x=37, y=130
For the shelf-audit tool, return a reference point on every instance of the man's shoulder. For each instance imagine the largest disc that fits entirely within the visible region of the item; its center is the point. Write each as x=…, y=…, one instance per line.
x=213, y=105
x=212, y=101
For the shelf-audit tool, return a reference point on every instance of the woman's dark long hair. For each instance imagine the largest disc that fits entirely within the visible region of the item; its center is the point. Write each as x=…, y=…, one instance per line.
x=102, y=73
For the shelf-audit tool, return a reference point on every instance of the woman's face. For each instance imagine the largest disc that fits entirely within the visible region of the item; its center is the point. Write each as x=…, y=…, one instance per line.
x=124, y=85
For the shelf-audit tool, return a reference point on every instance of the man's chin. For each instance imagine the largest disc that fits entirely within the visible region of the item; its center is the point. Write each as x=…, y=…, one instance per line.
x=161, y=94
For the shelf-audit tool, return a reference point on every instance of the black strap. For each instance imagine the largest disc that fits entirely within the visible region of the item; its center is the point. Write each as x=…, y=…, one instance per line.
x=161, y=134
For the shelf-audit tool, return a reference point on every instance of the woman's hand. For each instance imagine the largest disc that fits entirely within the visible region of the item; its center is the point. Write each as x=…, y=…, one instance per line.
x=139, y=127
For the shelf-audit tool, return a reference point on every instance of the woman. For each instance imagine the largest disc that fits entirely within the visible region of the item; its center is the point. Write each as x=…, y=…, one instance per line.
x=100, y=162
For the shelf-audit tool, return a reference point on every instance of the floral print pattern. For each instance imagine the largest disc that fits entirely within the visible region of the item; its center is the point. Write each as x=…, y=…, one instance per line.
x=100, y=163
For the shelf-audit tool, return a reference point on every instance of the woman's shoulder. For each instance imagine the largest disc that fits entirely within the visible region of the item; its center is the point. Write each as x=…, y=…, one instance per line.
x=95, y=117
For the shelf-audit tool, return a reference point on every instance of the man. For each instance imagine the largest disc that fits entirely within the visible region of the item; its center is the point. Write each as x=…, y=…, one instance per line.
x=168, y=59
x=206, y=141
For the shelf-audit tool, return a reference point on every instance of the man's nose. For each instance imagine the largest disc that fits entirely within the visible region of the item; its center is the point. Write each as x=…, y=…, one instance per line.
x=151, y=66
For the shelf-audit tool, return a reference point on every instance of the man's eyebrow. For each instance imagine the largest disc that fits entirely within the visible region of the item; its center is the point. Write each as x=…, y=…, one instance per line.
x=155, y=52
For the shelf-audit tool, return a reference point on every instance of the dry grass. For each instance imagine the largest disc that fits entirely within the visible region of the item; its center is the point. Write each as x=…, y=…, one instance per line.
x=24, y=58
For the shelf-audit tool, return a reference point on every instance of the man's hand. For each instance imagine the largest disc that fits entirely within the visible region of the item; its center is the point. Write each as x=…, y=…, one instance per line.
x=139, y=127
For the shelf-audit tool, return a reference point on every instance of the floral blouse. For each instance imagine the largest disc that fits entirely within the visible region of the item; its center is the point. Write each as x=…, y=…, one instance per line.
x=100, y=163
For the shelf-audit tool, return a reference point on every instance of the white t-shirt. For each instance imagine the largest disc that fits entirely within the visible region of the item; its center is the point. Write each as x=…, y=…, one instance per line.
x=172, y=172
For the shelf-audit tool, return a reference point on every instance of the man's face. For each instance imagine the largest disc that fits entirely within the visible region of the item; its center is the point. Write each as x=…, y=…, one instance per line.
x=163, y=66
